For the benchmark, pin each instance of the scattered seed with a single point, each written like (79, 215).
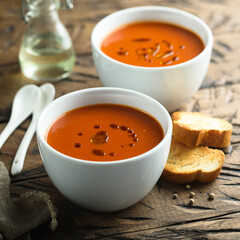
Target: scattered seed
(187, 187)
(191, 201)
(175, 195)
(211, 196)
(192, 195)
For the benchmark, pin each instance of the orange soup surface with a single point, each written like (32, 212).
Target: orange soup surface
(104, 132)
(152, 44)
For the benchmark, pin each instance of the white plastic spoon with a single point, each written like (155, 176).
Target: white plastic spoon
(48, 93)
(23, 104)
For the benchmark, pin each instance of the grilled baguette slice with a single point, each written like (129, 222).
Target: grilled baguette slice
(188, 164)
(194, 129)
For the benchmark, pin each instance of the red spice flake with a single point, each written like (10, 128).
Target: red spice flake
(115, 126)
(77, 145)
(97, 126)
(142, 40)
(130, 131)
(182, 47)
(80, 134)
(135, 139)
(168, 44)
(112, 154)
(131, 144)
(122, 53)
(153, 52)
(124, 128)
(133, 135)
(98, 152)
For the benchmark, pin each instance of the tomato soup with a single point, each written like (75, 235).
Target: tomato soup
(152, 44)
(104, 132)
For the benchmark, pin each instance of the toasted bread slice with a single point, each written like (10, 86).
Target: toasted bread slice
(194, 129)
(188, 164)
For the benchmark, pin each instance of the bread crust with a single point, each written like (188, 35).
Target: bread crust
(188, 164)
(195, 129)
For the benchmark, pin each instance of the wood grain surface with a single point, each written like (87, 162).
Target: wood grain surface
(157, 216)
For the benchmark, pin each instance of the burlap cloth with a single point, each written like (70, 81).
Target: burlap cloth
(18, 216)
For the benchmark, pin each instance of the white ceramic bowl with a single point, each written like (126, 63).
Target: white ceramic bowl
(171, 85)
(104, 186)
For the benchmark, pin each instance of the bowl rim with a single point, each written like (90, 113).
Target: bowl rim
(167, 135)
(131, 10)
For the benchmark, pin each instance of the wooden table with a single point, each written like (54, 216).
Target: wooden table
(157, 216)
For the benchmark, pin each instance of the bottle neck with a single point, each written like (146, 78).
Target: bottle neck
(43, 5)
(38, 8)
(32, 8)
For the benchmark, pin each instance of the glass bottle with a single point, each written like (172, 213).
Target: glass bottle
(46, 52)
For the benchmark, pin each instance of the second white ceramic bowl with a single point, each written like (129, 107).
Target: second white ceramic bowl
(171, 85)
(104, 186)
